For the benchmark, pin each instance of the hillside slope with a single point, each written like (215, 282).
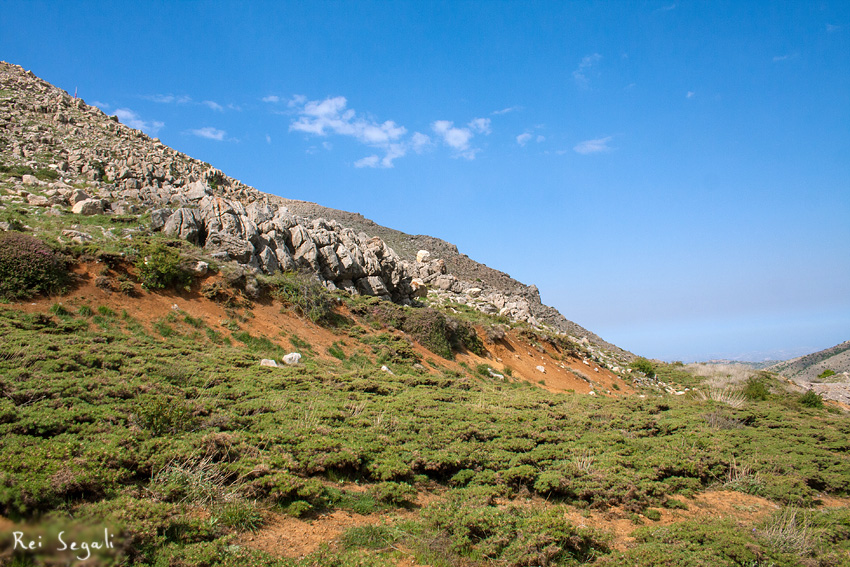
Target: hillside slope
(807, 368)
(125, 172)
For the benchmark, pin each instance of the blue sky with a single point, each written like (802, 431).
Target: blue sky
(674, 176)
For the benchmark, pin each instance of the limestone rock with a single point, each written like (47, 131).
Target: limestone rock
(423, 256)
(186, 224)
(292, 358)
(268, 362)
(88, 207)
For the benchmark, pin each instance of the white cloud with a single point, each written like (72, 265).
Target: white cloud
(169, 98)
(507, 110)
(213, 105)
(271, 98)
(331, 116)
(832, 28)
(523, 139)
(540, 138)
(210, 133)
(580, 74)
(596, 146)
(268, 139)
(480, 125)
(667, 8)
(328, 146)
(133, 120)
(370, 161)
(100, 105)
(690, 94)
(419, 142)
(456, 138)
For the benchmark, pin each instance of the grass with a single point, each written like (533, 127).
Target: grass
(183, 441)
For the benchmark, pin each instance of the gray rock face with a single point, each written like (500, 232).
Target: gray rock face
(186, 224)
(158, 218)
(233, 247)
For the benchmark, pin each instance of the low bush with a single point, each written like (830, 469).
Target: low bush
(303, 294)
(159, 267)
(811, 400)
(28, 267)
(643, 365)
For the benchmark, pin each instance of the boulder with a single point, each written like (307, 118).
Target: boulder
(372, 285)
(292, 358)
(423, 256)
(29, 180)
(38, 200)
(77, 195)
(222, 244)
(88, 207)
(158, 218)
(268, 362)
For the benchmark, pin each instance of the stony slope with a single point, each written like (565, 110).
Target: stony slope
(125, 172)
(809, 367)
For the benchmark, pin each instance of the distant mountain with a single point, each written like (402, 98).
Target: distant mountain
(808, 368)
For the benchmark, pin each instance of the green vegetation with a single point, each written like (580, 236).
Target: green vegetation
(28, 267)
(183, 441)
(159, 267)
(643, 365)
(826, 374)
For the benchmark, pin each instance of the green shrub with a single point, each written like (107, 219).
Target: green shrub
(643, 365)
(159, 268)
(163, 414)
(395, 493)
(756, 389)
(303, 294)
(811, 400)
(28, 266)
(826, 374)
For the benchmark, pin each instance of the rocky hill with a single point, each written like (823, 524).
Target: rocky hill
(834, 361)
(127, 172)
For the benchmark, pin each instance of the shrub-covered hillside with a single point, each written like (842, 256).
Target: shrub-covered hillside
(165, 428)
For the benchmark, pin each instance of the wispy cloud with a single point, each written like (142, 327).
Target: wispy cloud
(100, 105)
(667, 8)
(580, 74)
(133, 120)
(523, 139)
(480, 125)
(596, 146)
(332, 117)
(210, 133)
(268, 139)
(507, 110)
(458, 138)
(169, 98)
(690, 94)
(832, 28)
(271, 98)
(213, 105)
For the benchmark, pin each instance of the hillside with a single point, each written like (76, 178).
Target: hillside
(835, 361)
(129, 173)
(194, 373)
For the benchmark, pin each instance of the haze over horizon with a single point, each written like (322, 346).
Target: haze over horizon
(674, 177)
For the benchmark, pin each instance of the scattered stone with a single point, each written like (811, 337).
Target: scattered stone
(77, 237)
(29, 180)
(292, 358)
(268, 362)
(386, 369)
(541, 369)
(423, 256)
